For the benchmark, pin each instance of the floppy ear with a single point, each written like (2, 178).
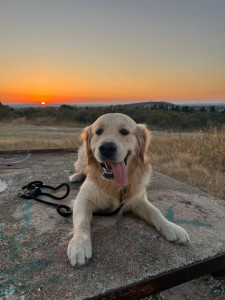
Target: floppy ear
(86, 138)
(143, 138)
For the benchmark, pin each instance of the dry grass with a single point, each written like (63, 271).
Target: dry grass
(28, 137)
(197, 159)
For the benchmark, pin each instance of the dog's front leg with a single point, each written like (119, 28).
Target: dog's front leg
(149, 213)
(80, 248)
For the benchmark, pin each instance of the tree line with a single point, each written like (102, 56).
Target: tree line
(157, 118)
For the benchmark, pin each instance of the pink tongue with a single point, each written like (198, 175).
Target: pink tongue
(120, 174)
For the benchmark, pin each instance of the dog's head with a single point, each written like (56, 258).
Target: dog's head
(115, 141)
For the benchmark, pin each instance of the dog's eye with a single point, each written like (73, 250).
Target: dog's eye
(99, 131)
(124, 132)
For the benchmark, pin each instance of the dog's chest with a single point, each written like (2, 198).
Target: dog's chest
(116, 198)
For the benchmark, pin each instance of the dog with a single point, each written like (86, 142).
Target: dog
(114, 158)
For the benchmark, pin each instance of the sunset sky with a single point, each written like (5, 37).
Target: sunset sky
(109, 51)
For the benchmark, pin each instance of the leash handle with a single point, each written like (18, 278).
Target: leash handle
(38, 184)
(34, 189)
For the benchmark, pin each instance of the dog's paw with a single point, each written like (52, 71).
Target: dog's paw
(79, 249)
(77, 177)
(175, 233)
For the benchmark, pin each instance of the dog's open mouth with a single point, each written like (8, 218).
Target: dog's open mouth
(116, 171)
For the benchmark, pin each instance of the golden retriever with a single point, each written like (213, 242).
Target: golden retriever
(114, 157)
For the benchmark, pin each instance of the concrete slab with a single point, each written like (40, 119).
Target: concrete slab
(17, 160)
(127, 253)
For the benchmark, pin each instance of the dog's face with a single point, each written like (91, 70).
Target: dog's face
(113, 140)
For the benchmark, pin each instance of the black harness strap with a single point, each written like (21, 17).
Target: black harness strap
(33, 190)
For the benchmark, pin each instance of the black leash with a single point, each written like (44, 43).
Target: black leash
(33, 190)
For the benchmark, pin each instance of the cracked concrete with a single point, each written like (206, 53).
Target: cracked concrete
(34, 237)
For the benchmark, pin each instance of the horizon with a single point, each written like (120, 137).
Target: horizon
(86, 104)
(116, 52)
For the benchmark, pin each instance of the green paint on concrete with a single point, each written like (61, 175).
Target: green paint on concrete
(170, 217)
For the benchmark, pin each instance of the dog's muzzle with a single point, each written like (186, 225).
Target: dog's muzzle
(108, 151)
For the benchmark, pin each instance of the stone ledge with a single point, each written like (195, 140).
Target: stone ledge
(126, 251)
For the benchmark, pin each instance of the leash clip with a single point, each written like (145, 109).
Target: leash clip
(19, 192)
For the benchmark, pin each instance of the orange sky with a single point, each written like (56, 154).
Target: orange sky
(119, 51)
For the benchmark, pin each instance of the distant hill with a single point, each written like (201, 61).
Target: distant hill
(195, 107)
(149, 103)
(165, 103)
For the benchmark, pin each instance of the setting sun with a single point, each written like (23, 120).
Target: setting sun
(43, 103)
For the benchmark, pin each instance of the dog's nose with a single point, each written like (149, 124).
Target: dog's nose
(107, 150)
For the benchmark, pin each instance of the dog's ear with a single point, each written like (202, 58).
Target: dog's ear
(86, 138)
(143, 139)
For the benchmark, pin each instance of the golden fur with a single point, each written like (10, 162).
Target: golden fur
(98, 193)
